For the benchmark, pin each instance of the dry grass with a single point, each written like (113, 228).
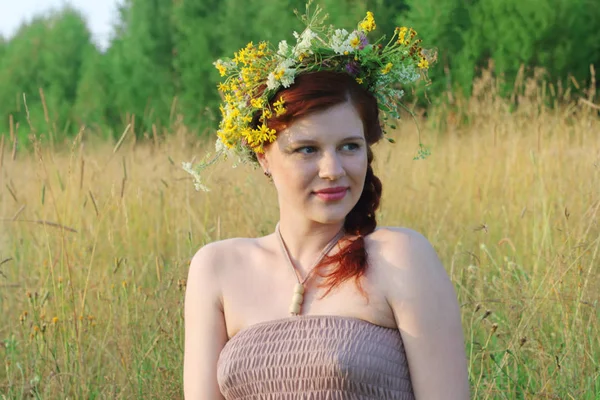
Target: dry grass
(96, 239)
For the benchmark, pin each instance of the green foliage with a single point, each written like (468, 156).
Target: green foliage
(562, 36)
(140, 63)
(44, 58)
(158, 66)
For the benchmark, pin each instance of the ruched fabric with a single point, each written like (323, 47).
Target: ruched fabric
(317, 357)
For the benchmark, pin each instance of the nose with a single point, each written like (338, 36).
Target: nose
(330, 166)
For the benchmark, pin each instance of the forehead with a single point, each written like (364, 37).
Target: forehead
(335, 123)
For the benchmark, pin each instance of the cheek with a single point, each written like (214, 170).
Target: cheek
(294, 177)
(359, 166)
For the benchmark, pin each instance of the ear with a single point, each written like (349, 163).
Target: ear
(263, 161)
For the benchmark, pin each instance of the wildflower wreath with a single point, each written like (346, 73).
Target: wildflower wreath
(258, 71)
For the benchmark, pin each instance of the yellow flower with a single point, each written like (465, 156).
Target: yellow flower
(256, 103)
(279, 111)
(55, 320)
(279, 74)
(359, 80)
(267, 135)
(222, 69)
(355, 42)
(423, 64)
(279, 107)
(368, 24)
(387, 68)
(279, 103)
(402, 35)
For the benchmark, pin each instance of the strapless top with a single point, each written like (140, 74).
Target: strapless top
(315, 357)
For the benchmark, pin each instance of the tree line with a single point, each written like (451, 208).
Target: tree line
(158, 65)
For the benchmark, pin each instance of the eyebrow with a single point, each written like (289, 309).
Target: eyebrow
(312, 141)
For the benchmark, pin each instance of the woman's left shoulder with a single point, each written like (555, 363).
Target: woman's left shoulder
(401, 242)
(407, 255)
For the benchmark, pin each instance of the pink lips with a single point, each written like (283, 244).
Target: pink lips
(332, 194)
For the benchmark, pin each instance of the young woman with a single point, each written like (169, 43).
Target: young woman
(328, 306)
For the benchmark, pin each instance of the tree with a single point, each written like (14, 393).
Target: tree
(141, 62)
(47, 55)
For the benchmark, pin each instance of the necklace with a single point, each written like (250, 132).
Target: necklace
(298, 295)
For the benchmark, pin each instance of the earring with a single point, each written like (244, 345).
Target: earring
(267, 174)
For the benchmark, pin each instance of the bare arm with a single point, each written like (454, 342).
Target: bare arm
(428, 316)
(205, 332)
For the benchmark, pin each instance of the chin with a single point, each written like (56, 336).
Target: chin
(330, 214)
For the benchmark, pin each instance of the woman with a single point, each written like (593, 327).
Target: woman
(327, 306)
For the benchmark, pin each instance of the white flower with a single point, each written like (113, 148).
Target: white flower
(283, 75)
(284, 49)
(354, 40)
(287, 80)
(272, 83)
(339, 41)
(304, 42)
(407, 73)
(198, 185)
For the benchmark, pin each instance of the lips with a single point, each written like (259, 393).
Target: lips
(338, 189)
(332, 194)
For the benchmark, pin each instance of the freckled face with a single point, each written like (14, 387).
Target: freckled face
(319, 164)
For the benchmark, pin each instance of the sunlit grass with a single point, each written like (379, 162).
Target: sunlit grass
(96, 239)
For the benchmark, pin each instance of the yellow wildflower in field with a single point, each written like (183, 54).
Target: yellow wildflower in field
(368, 24)
(387, 68)
(256, 103)
(402, 35)
(279, 107)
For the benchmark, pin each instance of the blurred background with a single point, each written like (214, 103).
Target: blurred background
(99, 63)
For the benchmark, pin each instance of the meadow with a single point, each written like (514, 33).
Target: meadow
(96, 239)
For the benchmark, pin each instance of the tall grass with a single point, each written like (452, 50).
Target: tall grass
(96, 238)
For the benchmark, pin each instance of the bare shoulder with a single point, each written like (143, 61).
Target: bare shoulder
(205, 324)
(216, 256)
(426, 310)
(406, 249)
(414, 274)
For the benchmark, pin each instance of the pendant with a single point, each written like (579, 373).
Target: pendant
(297, 299)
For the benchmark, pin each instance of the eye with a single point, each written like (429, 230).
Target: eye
(351, 146)
(306, 150)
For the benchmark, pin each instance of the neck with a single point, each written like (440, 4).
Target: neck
(306, 242)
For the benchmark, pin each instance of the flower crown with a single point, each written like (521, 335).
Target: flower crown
(257, 72)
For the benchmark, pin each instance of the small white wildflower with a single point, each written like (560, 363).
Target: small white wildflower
(284, 49)
(283, 75)
(304, 42)
(272, 82)
(354, 40)
(406, 73)
(198, 185)
(339, 42)
(287, 81)
(220, 146)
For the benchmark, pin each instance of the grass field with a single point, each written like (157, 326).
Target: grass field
(96, 238)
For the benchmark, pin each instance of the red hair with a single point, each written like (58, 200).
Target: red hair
(318, 91)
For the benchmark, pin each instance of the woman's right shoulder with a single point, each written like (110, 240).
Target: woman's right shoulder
(217, 255)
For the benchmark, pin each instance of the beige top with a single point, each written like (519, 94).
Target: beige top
(315, 357)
